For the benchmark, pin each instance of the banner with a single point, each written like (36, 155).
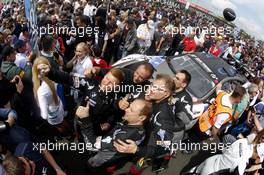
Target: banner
(31, 15)
(27, 9)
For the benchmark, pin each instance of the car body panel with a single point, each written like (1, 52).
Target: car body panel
(206, 71)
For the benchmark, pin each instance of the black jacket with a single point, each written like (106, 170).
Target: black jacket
(128, 86)
(163, 124)
(101, 103)
(108, 153)
(7, 91)
(183, 106)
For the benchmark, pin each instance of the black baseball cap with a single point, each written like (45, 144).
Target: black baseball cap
(19, 44)
(130, 21)
(7, 50)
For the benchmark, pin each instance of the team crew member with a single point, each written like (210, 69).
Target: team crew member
(135, 82)
(137, 78)
(100, 94)
(181, 98)
(163, 124)
(135, 116)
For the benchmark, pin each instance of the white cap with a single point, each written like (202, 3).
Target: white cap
(260, 151)
(151, 24)
(67, 1)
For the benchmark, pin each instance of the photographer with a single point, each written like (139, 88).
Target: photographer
(257, 114)
(235, 157)
(11, 134)
(10, 96)
(10, 71)
(244, 129)
(9, 68)
(26, 160)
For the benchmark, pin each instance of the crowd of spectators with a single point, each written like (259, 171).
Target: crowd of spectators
(62, 89)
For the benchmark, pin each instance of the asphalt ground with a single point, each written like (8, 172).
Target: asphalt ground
(75, 163)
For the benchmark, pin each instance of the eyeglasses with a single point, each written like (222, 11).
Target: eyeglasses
(157, 88)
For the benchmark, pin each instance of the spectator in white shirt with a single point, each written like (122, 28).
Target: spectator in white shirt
(45, 91)
(82, 60)
(21, 57)
(236, 156)
(145, 35)
(89, 10)
(24, 35)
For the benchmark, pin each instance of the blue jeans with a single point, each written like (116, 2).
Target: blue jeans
(241, 129)
(4, 112)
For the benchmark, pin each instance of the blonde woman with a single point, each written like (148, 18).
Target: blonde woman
(81, 60)
(45, 92)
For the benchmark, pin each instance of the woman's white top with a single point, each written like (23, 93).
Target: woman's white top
(80, 65)
(54, 114)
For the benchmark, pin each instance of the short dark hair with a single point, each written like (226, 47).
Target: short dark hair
(148, 67)
(84, 19)
(188, 76)
(24, 29)
(169, 83)
(97, 52)
(46, 43)
(239, 91)
(7, 51)
(19, 44)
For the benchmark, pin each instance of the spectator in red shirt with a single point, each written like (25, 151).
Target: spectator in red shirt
(59, 43)
(215, 49)
(97, 61)
(189, 44)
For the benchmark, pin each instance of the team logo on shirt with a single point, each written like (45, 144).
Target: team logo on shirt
(108, 139)
(118, 131)
(93, 94)
(154, 118)
(162, 133)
